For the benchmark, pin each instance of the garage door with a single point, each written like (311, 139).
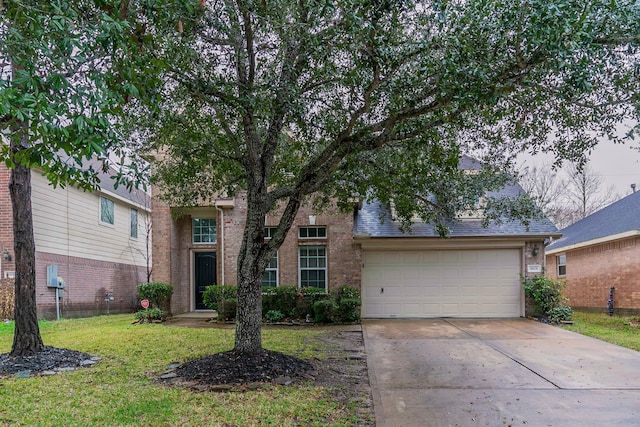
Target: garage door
(451, 283)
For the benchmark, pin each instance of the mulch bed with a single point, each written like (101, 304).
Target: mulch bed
(47, 362)
(229, 370)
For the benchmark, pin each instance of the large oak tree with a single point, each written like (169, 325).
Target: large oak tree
(289, 101)
(61, 92)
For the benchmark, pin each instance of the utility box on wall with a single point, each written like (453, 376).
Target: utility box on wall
(53, 280)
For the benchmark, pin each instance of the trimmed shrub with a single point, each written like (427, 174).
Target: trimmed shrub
(227, 309)
(349, 309)
(158, 294)
(307, 297)
(325, 311)
(548, 298)
(150, 314)
(342, 304)
(214, 294)
(282, 298)
(274, 316)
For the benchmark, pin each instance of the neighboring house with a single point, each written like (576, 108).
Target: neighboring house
(475, 272)
(598, 253)
(96, 241)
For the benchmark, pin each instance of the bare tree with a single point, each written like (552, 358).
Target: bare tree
(544, 185)
(584, 193)
(568, 195)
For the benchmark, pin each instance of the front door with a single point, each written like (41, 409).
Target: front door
(205, 275)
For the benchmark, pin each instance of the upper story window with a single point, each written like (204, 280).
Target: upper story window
(134, 223)
(269, 232)
(204, 230)
(107, 211)
(312, 232)
(561, 262)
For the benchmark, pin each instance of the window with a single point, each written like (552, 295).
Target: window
(204, 230)
(312, 232)
(561, 261)
(269, 232)
(134, 223)
(313, 266)
(106, 210)
(270, 276)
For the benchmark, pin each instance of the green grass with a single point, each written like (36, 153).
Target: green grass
(119, 390)
(617, 330)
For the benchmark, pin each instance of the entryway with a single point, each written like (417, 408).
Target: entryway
(204, 275)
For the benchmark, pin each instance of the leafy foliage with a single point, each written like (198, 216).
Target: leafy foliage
(547, 295)
(158, 294)
(367, 99)
(150, 314)
(340, 304)
(214, 294)
(62, 85)
(274, 316)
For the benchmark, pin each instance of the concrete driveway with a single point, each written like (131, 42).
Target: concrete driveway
(497, 372)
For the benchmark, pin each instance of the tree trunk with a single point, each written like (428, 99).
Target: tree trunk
(26, 338)
(250, 259)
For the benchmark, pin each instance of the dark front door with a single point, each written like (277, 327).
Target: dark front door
(205, 275)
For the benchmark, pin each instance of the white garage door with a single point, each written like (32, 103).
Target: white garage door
(450, 283)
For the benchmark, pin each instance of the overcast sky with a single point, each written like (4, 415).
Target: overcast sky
(619, 165)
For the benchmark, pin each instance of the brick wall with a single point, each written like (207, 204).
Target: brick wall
(87, 284)
(593, 270)
(173, 248)
(6, 217)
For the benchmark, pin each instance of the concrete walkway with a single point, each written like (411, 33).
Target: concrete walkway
(498, 372)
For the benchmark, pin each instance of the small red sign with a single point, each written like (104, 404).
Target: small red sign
(144, 303)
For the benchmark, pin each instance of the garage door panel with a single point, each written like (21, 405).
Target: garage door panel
(456, 283)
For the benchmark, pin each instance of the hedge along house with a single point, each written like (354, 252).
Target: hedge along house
(598, 253)
(475, 272)
(96, 242)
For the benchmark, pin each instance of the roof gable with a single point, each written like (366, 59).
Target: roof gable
(619, 217)
(376, 220)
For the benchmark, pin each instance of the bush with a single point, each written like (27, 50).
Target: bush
(548, 298)
(325, 311)
(349, 309)
(150, 314)
(214, 294)
(306, 299)
(560, 313)
(227, 308)
(158, 294)
(274, 315)
(342, 304)
(282, 298)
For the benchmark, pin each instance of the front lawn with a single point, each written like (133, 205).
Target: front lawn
(119, 390)
(620, 330)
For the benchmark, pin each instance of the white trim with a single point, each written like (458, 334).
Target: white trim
(404, 244)
(112, 195)
(624, 235)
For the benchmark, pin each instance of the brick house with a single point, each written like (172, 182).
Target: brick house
(95, 240)
(475, 272)
(598, 253)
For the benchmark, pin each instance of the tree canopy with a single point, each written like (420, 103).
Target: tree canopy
(336, 100)
(61, 93)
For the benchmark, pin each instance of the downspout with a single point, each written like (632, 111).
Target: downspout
(221, 243)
